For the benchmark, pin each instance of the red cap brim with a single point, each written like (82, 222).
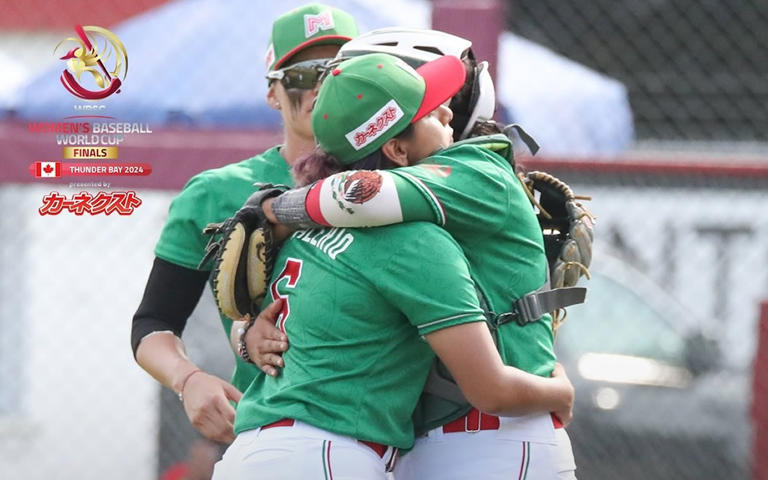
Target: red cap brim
(444, 77)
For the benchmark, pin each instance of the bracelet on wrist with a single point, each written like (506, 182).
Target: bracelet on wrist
(242, 349)
(184, 383)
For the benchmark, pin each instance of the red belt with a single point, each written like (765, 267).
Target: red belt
(379, 448)
(475, 421)
(556, 421)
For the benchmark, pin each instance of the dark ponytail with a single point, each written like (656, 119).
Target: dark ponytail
(319, 164)
(314, 166)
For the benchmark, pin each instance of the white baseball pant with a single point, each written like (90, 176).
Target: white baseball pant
(300, 452)
(528, 448)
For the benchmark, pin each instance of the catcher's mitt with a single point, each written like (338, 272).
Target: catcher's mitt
(567, 227)
(244, 255)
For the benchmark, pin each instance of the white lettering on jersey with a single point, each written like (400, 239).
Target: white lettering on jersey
(331, 242)
(339, 245)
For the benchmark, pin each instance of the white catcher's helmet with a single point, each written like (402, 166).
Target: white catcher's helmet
(476, 102)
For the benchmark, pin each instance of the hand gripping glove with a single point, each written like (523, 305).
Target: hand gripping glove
(243, 252)
(567, 227)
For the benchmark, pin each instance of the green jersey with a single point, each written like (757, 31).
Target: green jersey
(355, 305)
(474, 194)
(212, 196)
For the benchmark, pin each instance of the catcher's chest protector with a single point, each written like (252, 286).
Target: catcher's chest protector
(442, 400)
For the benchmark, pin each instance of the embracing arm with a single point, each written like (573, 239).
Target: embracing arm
(438, 296)
(492, 387)
(171, 294)
(355, 198)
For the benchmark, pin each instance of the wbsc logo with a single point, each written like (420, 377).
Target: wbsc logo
(98, 54)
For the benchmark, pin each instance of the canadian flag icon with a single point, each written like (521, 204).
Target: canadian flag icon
(46, 169)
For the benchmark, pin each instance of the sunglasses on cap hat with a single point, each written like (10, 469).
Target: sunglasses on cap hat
(303, 75)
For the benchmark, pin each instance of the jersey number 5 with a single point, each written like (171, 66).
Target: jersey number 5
(292, 272)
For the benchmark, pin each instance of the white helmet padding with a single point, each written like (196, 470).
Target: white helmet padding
(414, 46)
(418, 46)
(483, 100)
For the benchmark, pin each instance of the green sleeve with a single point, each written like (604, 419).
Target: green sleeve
(428, 279)
(464, 187)
(181, 241)
(458, 187)
(416, 201)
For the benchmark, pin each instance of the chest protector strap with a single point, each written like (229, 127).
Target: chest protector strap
(530, 308)
(442, 400)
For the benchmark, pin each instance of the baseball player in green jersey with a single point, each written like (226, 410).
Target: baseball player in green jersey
(471, 190)
(302, 40)
(354, 308)
(473, 108)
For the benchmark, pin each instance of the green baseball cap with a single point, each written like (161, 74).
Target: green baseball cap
(312, 24)
(369, 99)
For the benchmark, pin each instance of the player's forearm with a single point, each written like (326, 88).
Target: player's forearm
(290, 209)
(163, 356)
(520, 393)
(351, 199)
(492, 387)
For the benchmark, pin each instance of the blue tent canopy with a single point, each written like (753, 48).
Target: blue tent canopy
(200, 63)
(190, 62)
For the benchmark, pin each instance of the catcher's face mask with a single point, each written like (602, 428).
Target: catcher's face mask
(302, 75)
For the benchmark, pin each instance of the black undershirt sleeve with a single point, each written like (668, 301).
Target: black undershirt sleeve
(171, 294)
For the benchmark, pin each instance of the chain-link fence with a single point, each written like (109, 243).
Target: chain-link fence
(695, 70)
(661, 355)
